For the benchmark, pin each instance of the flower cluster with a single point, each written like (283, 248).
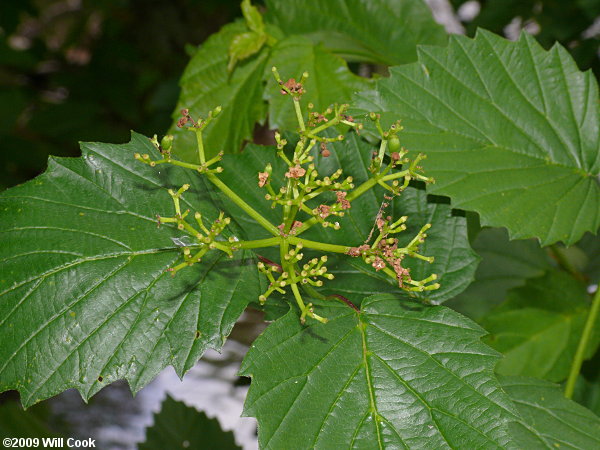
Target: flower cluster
(305, 199)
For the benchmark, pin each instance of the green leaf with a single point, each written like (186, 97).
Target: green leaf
(510, 131)
(396, 375)
(375, 31)
(244, 45)
(538, 327)
(17, 423)
(330, 81)
(180, 426)
(455, 262)
(253, 18)
(504, 265)
(549, 420)
(590, 245)
(206, 84)
(84, 297)
(587, 393)
(447, 241)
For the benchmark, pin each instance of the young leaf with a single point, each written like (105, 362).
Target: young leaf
(206, 84)
(549, 420)
(244, 45)
(395, 375)
(253, 18)
(180, 426)
(330, 81)
(510, 130)
(504, 265)
(376, 31)
(539, 326)
(84, 296)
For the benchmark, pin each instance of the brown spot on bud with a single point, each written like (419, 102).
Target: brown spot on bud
(293, 86)
(378, 264)
(295, 172)
(353, 251)
(263, 177)
(324, 211)
(297, 224)
(341, 199)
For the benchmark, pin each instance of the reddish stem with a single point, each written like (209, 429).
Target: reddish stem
(270, 263)
(346, 301)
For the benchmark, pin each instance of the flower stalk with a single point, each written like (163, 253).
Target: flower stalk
(303, 187)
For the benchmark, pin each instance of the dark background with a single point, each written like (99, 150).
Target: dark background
(91, 70)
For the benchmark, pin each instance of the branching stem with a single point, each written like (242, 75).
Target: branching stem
(242, 204)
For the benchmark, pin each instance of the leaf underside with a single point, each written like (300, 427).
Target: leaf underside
(395, 375)
(511, 131)
(84, 297)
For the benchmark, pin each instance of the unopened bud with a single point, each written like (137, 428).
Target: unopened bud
(167, 142)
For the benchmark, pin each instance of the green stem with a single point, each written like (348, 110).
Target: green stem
(298, 297)
(351, 196)
(178, 163)
(200, 146)
(583, 342)
(313, 133)
(242, 204)
(299, 114)
(362, 188)
(258, 243)
(318, 245)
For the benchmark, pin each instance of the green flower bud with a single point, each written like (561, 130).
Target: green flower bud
(167, 142)
(394, 143)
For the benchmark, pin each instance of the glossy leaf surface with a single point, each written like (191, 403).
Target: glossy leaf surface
(84, 297)
(395, 375)
(511, 131)
(379, 31)
(447, 241)
(549, 420)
